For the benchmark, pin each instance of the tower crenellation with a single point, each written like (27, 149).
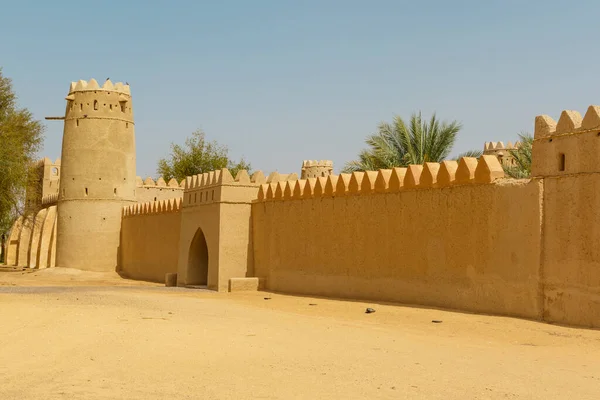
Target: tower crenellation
(316, 169)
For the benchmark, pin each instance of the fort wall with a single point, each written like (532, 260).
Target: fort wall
(148, 190)
(150, 240)
(462, 241)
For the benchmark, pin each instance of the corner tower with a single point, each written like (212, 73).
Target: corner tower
(97, 174)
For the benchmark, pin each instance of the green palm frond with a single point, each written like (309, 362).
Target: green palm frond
(400, 143)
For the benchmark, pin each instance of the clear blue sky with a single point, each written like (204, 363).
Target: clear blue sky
(279, 81)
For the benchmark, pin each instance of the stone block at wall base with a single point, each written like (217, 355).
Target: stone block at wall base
(171, 279)
(243, 284)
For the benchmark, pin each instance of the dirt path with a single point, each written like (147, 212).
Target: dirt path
(66, 334)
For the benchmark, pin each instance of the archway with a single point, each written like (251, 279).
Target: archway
(197, 273)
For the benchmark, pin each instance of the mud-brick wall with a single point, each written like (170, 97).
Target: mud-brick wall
(150, 244)
(571, 255)
(474, 247)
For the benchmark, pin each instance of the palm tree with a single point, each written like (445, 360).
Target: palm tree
(400, 144)
(522, 156)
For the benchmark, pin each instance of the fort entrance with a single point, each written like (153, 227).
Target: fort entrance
(197, 273)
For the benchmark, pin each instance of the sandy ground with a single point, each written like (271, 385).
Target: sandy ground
(65, 334)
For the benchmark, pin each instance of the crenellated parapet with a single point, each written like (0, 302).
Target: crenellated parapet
(220, 186)
(89, 100)
(467, 171)
(315, 169)
(503, 152)
(153, 207)
(160, 182)
(569, 146)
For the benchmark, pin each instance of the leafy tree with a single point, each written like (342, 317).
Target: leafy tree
(522, 156)
(198, 156)
(400, 144)
(20, 139)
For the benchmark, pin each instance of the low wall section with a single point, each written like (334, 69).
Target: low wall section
(443, 235)
(150, 240)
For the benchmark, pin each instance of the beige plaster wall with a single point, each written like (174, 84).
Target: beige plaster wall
(150, 245)
(32, 254)
(97, 174)
(571, 253)
(12, 244)
(47, 244)
(471, 247)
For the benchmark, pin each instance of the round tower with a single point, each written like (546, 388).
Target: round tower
(316, 169)
(97, 175)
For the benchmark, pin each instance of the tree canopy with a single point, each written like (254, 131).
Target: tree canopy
(522, 156)
(400, 144)
(21, 137)
(198, 156)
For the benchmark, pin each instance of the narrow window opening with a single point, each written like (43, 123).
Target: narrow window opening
(126, 124)
(561, 162)
(190, 198)
(213, 195)
(81, 106)
(86, 191)
(77, 121)
(123, 105)
(111, 107)
(95, 104)
(155, 199)
(196, 197)
(115, 191)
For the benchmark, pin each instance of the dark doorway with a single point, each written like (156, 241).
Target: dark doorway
(198, 260)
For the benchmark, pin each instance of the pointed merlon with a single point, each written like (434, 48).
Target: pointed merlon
(217, 177)
(182, 183)
(258, 177)
(331, 185)
(397, 179)
(225, 176)
(262, 192)
(72, 87)
(108, 85)
(205, 179)
(447, 173)
(342, 184)
(149, 182)
(413, 176)
(591, 120)
(211, 178)
(320, 186)
(299, 189)
(465, 173)
(188, 182)
(271, 190)
(288, 192)
(279, 189)
(569, 122)
(309, 188)
(242, 176)
(488, 169)
(382, 182)
(544, 126)
(161, 182)
(292, 177)
(173, 183)
(92, 85)
(429, 176)
(356, 182)
(368, 183)
(138, 181)
(499, 146)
